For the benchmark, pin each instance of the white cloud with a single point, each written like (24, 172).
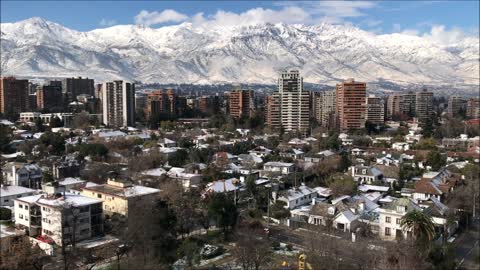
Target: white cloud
(440, 35)
(107, 22)
(151, 18)
(289, 15)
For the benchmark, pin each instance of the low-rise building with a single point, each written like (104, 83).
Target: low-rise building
(366, 174)
(121, 197)
(22, 174)
(295, 197)
(9, 193)
(283, 168)
(59, 215)
(390, 218)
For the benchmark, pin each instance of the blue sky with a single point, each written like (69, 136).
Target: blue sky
(380, 17)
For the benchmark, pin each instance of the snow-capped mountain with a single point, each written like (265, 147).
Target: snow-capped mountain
(186, 53)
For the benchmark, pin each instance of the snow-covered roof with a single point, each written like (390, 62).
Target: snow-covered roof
(71, 181)
(14, 155)
(293, 194)
(155, 172)
(109, 134)
(339, 199)
(7, 191)
(324, 192)
(224, 185)
(68, 199)
(5, 122)
(130, 191)
(278, 164)
(365, 188)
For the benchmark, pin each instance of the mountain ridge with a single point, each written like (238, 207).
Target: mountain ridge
(184, 53)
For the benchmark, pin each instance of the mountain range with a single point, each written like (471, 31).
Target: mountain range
(184, 53)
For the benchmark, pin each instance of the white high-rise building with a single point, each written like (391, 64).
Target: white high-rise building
(323, 106)
(118, 99)
(293, 103)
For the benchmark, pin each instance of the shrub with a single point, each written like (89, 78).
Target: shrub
(5, 213)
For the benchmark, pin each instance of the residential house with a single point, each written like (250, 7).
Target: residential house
(187, 180)
(366, 174)
(22, 174)
(295, 197)
(9, 193)
(293, 154)
(282, 168)
(224, 186)
(435, 184)
(260, 151)
(390, 218)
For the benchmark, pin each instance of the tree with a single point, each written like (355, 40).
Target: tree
(252, 250)
(436, 160)
(81, 120)
(420, 224)
(5, 138)
(178, 159)
(19, 254)
(47, 177)
(251, 186)
(341, 184)
(223, 211)
(345, 162)
(56, 122)
(95, 150)
(190, 251)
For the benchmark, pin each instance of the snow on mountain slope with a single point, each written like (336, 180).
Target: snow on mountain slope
(184, 53)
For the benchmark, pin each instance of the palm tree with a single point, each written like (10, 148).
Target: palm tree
(420, 224)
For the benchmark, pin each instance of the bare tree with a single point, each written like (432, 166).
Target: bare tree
(252, 250)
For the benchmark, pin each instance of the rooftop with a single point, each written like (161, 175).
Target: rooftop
(7, 191)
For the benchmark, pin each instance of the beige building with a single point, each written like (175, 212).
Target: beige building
(118, 100)
(121, 197)
(323, 106)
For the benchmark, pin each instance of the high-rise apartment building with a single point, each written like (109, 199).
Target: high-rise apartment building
(288, 107)
(323, 107)
(72, 87)
(118, 101)
(375, 110)
(401, 105)
(13, 95)
(473, 108)
(241, 103)
(351, 104)
(423, 105)
(161, 102)
(455, 105)
(50, 96)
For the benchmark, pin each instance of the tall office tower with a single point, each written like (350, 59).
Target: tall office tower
(289, 105)
(13, 95)
(98, 91)
(50, 96)
(423, 105)
(375, 110)
(181, 106)
(72, 87)
(118, 100)
(455, 105)
(241, 103)
(140, 102)
(473, 108)
(171, 102)
(351, 104)
(323, 106)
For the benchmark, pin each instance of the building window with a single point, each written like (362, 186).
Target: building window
(26, 207)
(20, 206)
(398, 221)
(20, 216)
(387, 219)
(99, 195)
(387, 231)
